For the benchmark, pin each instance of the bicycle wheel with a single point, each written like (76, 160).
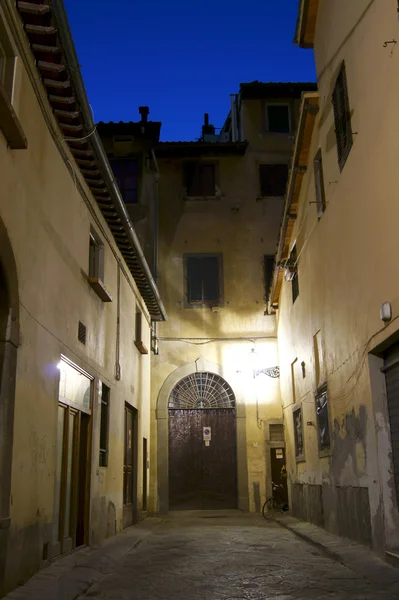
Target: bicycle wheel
(270, 507)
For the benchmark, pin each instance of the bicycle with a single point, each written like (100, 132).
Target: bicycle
(274, 504)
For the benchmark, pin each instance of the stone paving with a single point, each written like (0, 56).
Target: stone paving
(214, 556)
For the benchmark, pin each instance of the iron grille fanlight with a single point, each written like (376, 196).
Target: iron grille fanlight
(200, 391)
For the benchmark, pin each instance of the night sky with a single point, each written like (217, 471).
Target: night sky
(182, 58)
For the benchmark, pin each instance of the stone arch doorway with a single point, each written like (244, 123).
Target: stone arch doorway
(9, 340)
(202, 443)
(189, 395)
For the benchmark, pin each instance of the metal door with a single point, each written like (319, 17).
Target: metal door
(202, 472)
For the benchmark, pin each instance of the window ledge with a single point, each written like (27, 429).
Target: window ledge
(9, 123)
(100, 289)
(202, 198)
(140, 347)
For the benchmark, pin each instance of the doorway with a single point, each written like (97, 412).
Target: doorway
(279, 474)
(202, 444)
(391, 370)
(130, 467)
(71, 490)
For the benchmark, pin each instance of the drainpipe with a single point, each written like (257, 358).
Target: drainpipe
(156, 215)
(233, 118)
(74, 67)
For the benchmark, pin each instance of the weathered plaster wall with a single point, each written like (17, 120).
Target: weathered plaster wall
(345, 272)
(48, 225)
(243, 228)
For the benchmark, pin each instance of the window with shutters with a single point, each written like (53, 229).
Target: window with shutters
(273, 179)
(342, 117)
(319, 184)
(126, 171)
(200, 179)
(203, 280)
(278, 118)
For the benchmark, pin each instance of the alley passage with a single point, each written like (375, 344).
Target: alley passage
(199, 556)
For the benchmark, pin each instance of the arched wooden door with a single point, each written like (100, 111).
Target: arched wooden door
(202, 444)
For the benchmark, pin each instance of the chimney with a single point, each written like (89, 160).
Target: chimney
(206, 119)
(144, 112)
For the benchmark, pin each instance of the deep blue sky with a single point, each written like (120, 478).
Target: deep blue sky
(182, 58)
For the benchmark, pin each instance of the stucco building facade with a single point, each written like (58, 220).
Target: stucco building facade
(220, 206)
(334, 288)
(77, 302)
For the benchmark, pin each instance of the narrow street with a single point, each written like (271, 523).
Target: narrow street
(212, 557)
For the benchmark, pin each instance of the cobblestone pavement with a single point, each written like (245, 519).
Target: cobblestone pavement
(228, 557)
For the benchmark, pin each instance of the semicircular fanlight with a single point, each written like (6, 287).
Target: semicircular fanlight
(201, 390)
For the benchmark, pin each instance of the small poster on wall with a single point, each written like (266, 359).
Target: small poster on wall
(298, 432)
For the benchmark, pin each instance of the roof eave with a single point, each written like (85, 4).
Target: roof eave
(309, 110)
(306, 23)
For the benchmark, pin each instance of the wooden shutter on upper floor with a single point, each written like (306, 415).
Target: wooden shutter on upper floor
(194, 279)
(273, 179)
(342, 117)
(210, 279)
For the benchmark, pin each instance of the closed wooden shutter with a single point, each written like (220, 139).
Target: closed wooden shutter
(210, 276)
(319, 184)
(391, 367)
(194, 279)
(203, 280)
(199, 179)
(273, 179)
(342, 117)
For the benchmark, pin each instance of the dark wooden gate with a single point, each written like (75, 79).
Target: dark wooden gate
(202, 475)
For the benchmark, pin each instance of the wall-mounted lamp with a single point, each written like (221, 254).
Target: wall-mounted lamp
(386, 312)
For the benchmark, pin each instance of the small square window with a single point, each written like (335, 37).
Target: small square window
(203, 280)
(200, 179)
(273, 179)
(278, 118)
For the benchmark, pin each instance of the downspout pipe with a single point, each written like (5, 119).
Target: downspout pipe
(233, 118)
(72, 59)
(156, 215)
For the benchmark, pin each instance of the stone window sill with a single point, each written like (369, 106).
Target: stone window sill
(100, 289)
(9, 123)
(140, 347)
